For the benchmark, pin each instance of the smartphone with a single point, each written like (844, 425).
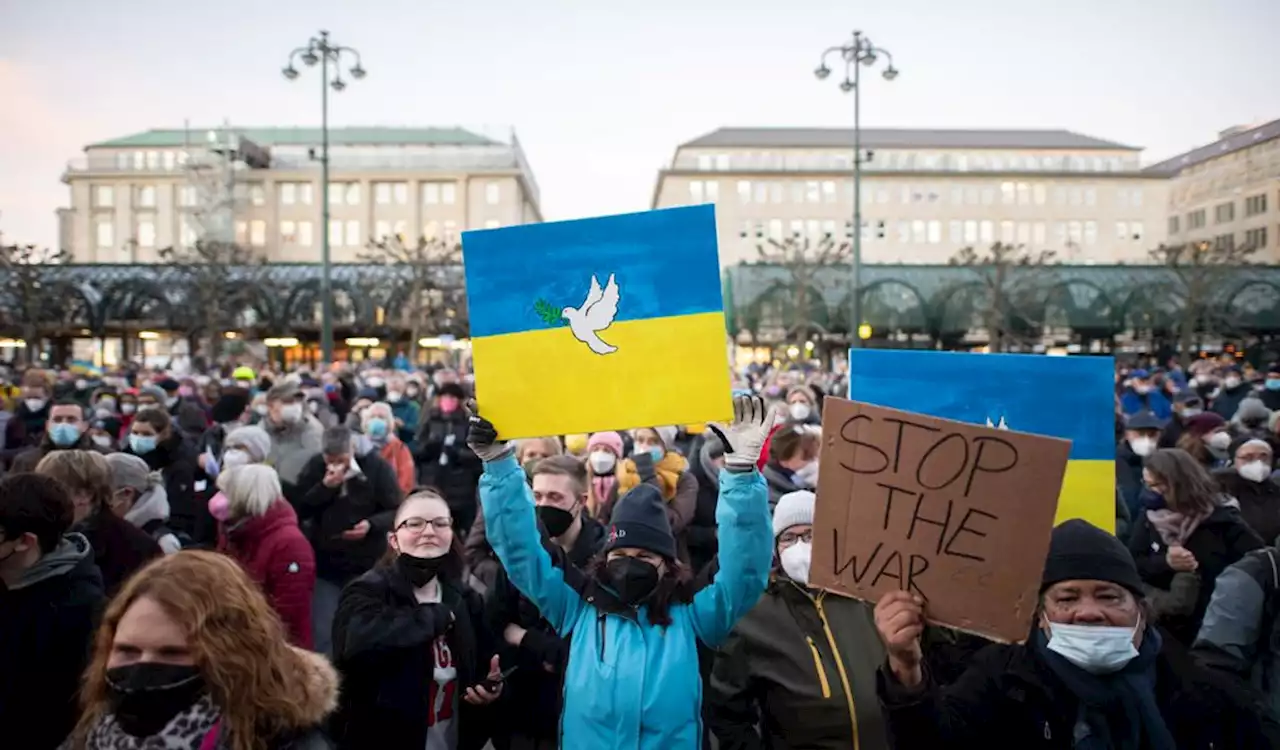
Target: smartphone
(492, 685)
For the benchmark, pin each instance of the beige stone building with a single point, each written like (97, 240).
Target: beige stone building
(925, 193)
(132, 196)
(1228, 192)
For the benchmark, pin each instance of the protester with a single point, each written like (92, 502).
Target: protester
(138, 496)
(295, 435)
(654, 461)
(793, 462)
(65, 429)
(604, 451)
(531, 715)
(1206, 438)
(443, 458)
(632, 676)
(1189, 525)
(1141, 432)
(800, 666)
(119, 548)
(377, 423)
(153, 439)
(26, 428)
(1186, 405)
(191, 657)
(406, 412)
(261, 532)
(348, 498)
(411, 643)
(1142, 395)
(242, 446)
(50, 596)
(1235, 389)
(1249, 481)
(802, 406)
(1095, 672)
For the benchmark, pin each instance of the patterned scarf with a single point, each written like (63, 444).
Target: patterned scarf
(186, 731)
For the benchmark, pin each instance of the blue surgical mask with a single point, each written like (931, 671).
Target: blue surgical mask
(64, 435)
(1273, 384)
(142, 444)
(656, 453)
(376, 427)
(1097, 649)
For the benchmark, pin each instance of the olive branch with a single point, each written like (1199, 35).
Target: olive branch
(549, 313)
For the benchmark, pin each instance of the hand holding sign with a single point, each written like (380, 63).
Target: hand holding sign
(955, 514)
(900, 622)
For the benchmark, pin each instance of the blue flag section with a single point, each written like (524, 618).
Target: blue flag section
(1063, 397)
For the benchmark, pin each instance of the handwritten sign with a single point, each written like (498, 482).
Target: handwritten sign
(957, 513)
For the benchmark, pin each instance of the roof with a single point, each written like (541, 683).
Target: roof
(1220, 147)
(900, 138)
(273, 136)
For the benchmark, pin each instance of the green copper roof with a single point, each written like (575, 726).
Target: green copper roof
(353, 136)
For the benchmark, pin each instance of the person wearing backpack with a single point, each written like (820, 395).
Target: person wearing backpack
(138, 496)
(1240, 630)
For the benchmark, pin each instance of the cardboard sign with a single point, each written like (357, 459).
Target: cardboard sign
(598, 324)
(1063, 397)
(958, 513)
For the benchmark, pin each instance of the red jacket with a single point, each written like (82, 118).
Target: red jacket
(273, 550)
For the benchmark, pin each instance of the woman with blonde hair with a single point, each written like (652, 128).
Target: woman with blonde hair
(191, 657)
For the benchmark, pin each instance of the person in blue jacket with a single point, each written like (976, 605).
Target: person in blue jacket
(632, 677)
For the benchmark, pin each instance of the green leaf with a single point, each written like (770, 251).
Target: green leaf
(548, 312)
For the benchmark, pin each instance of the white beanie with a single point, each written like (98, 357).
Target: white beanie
(793, 509)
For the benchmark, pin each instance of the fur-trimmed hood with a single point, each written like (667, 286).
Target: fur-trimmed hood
(317, 689)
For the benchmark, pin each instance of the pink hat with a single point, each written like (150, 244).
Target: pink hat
(610, 440)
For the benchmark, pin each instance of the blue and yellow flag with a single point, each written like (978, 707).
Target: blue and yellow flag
(598, 324)
(1063, 397)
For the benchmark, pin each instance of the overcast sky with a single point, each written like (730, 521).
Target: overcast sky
(600, 93)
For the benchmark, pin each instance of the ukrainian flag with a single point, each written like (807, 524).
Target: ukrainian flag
(1063, 397)
(597, 324)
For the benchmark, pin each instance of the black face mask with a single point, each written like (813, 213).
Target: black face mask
(144, 697)
(419, 570)
(633, 579)
(556, 520)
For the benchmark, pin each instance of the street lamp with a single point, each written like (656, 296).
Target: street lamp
(320, 50)
(858, 51)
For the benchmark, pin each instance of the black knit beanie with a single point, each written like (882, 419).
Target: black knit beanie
(640, 520)
(1080, 551)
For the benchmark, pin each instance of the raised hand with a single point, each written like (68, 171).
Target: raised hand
(743, 440)
(482, 436)
(899, 619)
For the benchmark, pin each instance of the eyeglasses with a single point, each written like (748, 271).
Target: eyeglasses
(419, 525)
(789, 538)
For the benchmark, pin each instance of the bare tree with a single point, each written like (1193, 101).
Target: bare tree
(30, 298)
(1198, 273)
(428, 274)
(219, 279)
(808, 264)
(1011, 280)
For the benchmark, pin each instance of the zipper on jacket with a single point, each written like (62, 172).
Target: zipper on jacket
(603, 629)
(817, 665)
(840, 670)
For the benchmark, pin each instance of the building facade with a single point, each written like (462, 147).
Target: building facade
(131, 197)
(1228, 192)
(925, 194)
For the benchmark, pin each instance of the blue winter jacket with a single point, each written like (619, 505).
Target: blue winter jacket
(628, 683)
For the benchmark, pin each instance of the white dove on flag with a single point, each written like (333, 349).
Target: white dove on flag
(596, 314)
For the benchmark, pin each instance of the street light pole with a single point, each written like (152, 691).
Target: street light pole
(858, 51)
(320, 49)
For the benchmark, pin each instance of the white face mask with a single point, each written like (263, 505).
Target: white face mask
(394, 397)
(807, 475)
(602, 462)
(1230, 382)
(1097, 649)
(235, 457)
(102, 441)
(35, 404)
(291, 413)
(800, 411)
(1143, 388)
(1142, 446)
(1254, 471)
(795, 561)
(128, 408)
(1219, 441)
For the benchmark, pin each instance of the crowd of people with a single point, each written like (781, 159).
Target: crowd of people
(355, 557)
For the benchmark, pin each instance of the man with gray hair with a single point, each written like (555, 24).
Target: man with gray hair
(295, 435)
(347, 503)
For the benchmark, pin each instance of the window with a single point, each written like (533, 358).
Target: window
(1173, 224)
(304, 233)
(146, 233)
(104, 196)
(1075, 232)
(1007, 232)
(1224, 242)
(1224, 212)
(1090, 197)
(957, 196)
(988, 196)
(335, 232)
(813, 191)
(1038, 234)
(1122, 230)
(971, 231)
(935, 231)
(775, 230)
(288, 193)
(1075, 196)
(776, 192)
(492, 224)
(304, 193)
(1195, 219)
(492, 193)
(105, 234)
(904, 231)
(695, 191)
(987, 231)
(431, 229)
(1059, 196)
(797, 228)
(797, 192)
(400, 192)
(1256, 237)
(337, 195)
(744, 191)
(153, 160)
(289, 232)
(1038, 194)
(381, 230)
(449, 193)
(257, 233)
(1135, 198)
(382, 193)
(1024, 233)
(353, 233)
(1091, 233)
(1024, 194)
(704, 162)
(1255, 204)
(186, 232)
(713, 191)
(1136, 230)
(146, 196)
(187, 195)
(1007, 193)
(829, 229)
(919, 232)
(257, 196)
(722, 162)
(971, 196)
(434, 193)
(122, 160)
(400, 228)
(829, 191)
(814, 229)
(955, 231)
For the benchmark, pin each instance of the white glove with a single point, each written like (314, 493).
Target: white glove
(743, 440)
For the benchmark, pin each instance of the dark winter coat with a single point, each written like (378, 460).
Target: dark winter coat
(1129, 477)
(326, 512)
(447, 464)
(273, 550)
(119, 547)
(1227, 402)
(382, 643)
(701, 531)
(47, 623)
(175, 459)
(780, 480)
(1219, 541)
(27, 460)
(1259, 501)
(1009, 698)
(25, 429)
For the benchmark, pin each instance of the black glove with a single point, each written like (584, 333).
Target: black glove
(482, 436)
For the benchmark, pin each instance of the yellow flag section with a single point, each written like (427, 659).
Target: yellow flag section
(1062, 397)
(598, 324)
